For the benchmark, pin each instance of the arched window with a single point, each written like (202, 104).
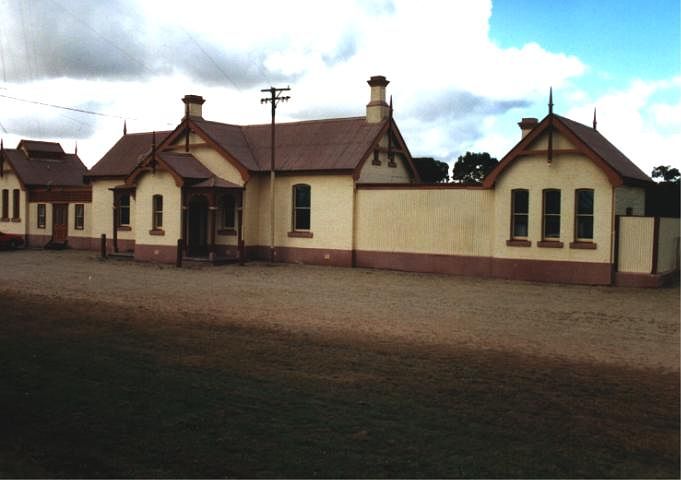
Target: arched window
(301, 207)
(228, 212)
(157, 212)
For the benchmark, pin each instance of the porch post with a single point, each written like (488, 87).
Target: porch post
(183, 222)
(240, 230)
(115, 221)
(211, 224)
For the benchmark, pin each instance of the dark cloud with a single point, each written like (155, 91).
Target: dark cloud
(111, 40)
(454, 105)
(56, 126)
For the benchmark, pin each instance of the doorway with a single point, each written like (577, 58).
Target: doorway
(60, 224)
(197, 226)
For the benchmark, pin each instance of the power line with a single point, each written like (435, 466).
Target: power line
(215, 64)
(71, 109)
(96, 33)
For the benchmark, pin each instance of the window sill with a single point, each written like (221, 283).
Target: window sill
(518, 243)
(227, 232)
(124, 228)
(583, 245)
(41, 227)
(16, 220)
(550, 244)
(157, 231)
(79, 228)
(299, 234)
(392, 164)
(4, 219)
(376, 162)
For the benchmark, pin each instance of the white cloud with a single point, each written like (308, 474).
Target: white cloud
(645, 130)
(438, 56)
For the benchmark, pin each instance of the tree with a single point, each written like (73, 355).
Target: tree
(473, 167)
(431, 170)
(667, 173)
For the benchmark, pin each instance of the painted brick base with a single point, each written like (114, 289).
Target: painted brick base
(156, 253)
(511, 269)
(645, 280)
(37, 241)
(311, 256)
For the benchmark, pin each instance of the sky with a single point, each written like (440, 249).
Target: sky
(462, 72)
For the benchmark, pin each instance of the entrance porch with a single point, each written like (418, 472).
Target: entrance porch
(212, 222)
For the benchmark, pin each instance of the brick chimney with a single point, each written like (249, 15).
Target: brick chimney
(526, 125)
(193, 105)
(377, 108)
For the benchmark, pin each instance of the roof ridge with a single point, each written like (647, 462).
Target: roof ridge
(303, 122)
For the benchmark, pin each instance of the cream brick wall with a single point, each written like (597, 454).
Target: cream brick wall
(630, 197)
(636, 244)
(436, 221)
(331, 212)
(254, 198)
(33, 219)
(148, 185)
(668, 245)
(566, 173)
(86, 232)
(102, 210)
(10, 182)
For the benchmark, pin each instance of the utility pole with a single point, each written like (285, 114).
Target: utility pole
(274, 98)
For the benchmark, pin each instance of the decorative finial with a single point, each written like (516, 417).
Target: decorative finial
(125, 127)
(551, 101)
(2, 144)
(75, 149)
(595, 118)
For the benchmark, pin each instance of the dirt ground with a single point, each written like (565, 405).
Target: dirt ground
(115, 369)
(636, 328)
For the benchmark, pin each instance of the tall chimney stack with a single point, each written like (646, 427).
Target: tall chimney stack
(193, 106)
(377, 108)
(527, 124)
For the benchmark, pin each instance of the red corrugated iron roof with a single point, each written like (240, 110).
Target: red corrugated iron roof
(185, 165)
(217, 182)
(333, 144)
(47, 167)
(606, 150)
(124, 156)
(618, 168)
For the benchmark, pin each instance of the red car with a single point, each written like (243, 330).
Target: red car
(10, 240)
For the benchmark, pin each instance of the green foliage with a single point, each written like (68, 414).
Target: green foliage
(473, 167)
(666, 173)
(431, 170)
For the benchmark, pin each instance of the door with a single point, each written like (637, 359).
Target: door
(197, 226)
(60, 223)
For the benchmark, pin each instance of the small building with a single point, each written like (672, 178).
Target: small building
(43, 196)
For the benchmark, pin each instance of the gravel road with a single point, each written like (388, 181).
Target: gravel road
(633, 327)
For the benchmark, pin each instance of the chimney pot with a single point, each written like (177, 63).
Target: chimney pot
(527, 124)
(193, 105)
